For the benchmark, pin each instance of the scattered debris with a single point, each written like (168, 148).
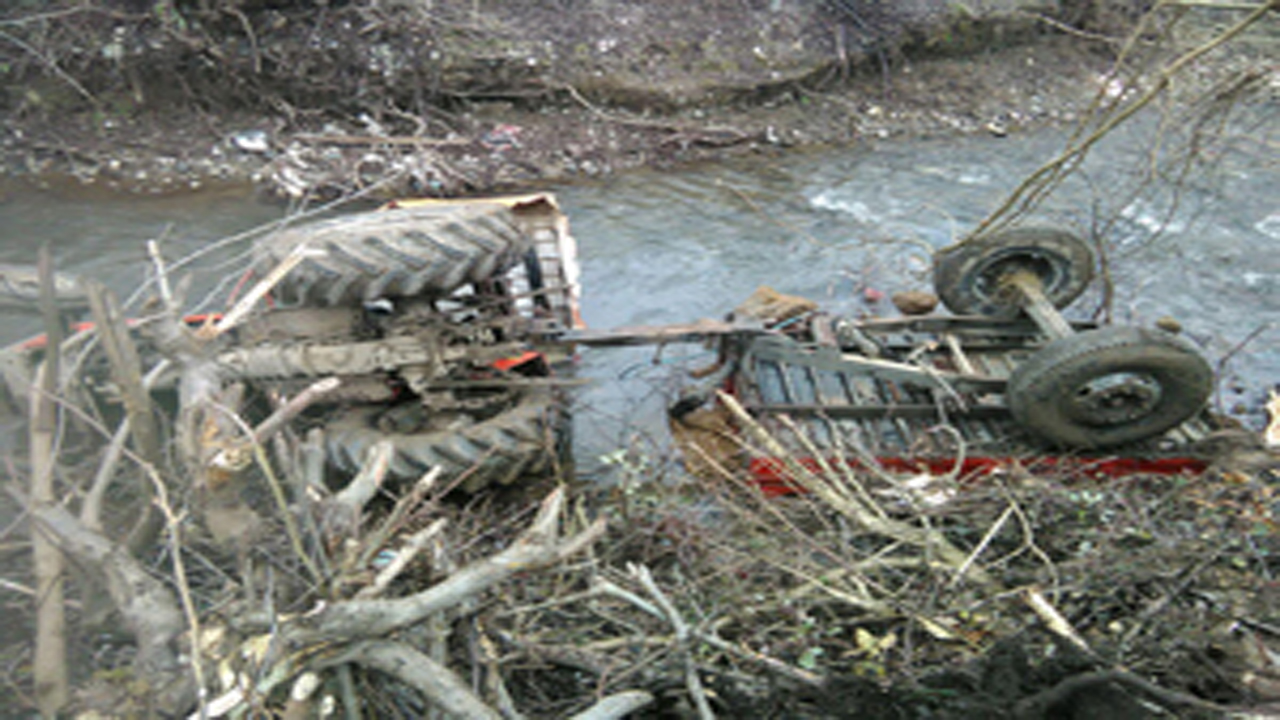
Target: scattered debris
(20, 290)
(252, 141)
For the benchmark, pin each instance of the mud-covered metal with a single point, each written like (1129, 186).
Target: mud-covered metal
(442, 321)
(454, 304)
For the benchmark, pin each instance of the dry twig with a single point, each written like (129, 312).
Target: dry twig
(1038, 184)
(50, 669)
(851, 504)
(669, 612)
(617, 705)
(435, 681)
(539, 546)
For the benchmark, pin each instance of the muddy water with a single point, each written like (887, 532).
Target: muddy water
(840, 227)
(104, 236)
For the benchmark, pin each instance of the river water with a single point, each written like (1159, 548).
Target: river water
(673, 246)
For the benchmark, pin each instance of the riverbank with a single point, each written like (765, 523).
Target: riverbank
(516, 97)
(451, 98)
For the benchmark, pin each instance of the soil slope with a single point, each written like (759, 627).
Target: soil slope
(452, 97)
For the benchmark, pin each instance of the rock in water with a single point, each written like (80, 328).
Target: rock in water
(915, 302)
(1169, 324)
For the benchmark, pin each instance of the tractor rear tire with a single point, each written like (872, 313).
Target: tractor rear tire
(396, 253)
(520, 440)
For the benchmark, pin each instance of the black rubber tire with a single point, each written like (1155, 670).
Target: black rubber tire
(967, 275)
(516, 442)
(1110, 386)
(403, 252)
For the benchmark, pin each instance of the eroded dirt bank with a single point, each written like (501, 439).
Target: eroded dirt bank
(452, 97)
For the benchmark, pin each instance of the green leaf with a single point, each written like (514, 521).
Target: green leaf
(809, 658)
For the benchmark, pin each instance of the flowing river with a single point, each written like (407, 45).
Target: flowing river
(839, 226)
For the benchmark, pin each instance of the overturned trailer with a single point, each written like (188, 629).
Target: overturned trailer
(1006, 379)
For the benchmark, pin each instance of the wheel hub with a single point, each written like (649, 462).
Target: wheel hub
(1116, 398)
(992, 280)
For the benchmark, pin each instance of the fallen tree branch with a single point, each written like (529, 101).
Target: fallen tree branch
(601, 586)
(617, 705)
(1037, 185)
(147, 605)
(674, 127)
(126, 370)
(237, 455)
(413, 668)
(769, 663)
(410, 140)
(91, 508)
(696, 692)
(1056, 623)
(200, 386)
(50, 663)
(410, 550)
(406, 504)
(340, 514)
(538, 547)
(854, 506)
(53, 66)
(222, 491)
(1036, 705)
(275, 422)
(237, 314)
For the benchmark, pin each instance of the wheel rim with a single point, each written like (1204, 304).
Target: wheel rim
(990, 282)
(1116, 398)
(971, 277)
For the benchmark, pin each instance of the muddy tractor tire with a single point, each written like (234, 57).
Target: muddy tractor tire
(1109, 387)
(406, 252)
(969, 276)
(520, 440)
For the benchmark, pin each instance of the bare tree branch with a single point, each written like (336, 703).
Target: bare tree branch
(538, 547)
(148, 607)
(617, 705)
(50, 665)
(434, 680)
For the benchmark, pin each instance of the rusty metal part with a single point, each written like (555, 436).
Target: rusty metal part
(660, 334)
(1034, 302)
(355, 358)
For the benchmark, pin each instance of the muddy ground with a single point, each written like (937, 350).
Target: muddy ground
(471, 97)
